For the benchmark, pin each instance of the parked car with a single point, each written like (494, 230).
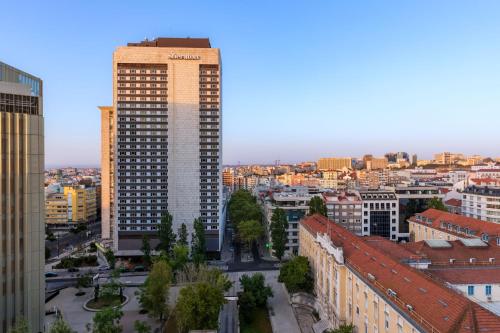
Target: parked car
(50, 274)
(103, 268)
(139, 268)
(73, 269)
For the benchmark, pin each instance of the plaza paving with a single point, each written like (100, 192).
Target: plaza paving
(72, 310)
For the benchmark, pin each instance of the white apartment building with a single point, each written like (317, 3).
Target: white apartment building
(481, 203)
(380, 213)
(296, 206)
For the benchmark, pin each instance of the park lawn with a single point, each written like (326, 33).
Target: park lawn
(260, 322)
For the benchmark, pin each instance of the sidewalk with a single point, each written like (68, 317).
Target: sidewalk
(283, 319)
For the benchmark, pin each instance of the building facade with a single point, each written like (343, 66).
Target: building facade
(380, 213)
(168, 151)
(82, 203)
(412, 200)
(22, 193)
(366, 286)
(107, 171)
(56, 209)
(481, 202)
(334, 163)
(296, 206)
(346, 209)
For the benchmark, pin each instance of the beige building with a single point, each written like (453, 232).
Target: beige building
(107, 171)
(357, 283)
(82, 206)
(334, 163)
(168, 150)
(56, 209)
(375, 163)
(22, 199)
(436, 224)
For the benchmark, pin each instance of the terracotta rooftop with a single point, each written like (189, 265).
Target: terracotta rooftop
(457, 251)
(480, 275)
(435, 307)
(435, 218)
(203, 43)
(453, 202)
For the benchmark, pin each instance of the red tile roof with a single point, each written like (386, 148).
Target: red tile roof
(478, 226)
(453, 202)
(457, 251)
(435, 307)
(478, 275)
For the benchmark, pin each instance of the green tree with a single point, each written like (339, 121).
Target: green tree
(21, 326)
(180, 256)
(141, 327)
(183, 235)
(243, 206)
(250, 231)
(60, 326)
(296, 275)
(255, 294)
(110, 257)
(146, 250)
(279, 234)
(153, 295)
(198, 242)
(107, 321)
(437, 203)
(166, 235)
(83, 281)
(198, 307)
(343, 329)
(317, 206)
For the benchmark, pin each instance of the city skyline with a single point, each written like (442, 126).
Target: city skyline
(366, 79)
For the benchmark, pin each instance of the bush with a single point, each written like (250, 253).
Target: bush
(70, 262)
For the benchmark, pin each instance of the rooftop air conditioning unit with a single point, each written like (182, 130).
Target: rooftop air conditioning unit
(452, 260)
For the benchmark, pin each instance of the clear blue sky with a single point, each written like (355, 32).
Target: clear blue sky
(301, 79)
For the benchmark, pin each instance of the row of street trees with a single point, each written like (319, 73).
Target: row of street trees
(246, 215)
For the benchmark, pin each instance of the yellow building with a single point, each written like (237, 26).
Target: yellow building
(81, 203)
(334, 163)
(56, 209)
(107, 170)
(357, 283)
(436, 224)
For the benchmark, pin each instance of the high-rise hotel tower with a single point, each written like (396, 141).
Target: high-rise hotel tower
(166, 144)
(22, 228)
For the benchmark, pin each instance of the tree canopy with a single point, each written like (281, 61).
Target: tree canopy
(107, 321)
(296, 275)
(153, 295)
(146, 250)
(243, 206)
(437, 203)
(182, 235)
(198, 307)
(165, 234)
(60, 326)
(279, 235)
(317, 206)
(250, 231)
(255, 294)
(21, 326)
(198, 242)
